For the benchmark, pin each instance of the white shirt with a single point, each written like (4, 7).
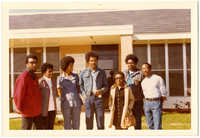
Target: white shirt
(51, 101)
(153, 87)
(94, 86)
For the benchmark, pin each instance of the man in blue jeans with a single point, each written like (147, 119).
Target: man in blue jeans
(155, 93)
(93, 84)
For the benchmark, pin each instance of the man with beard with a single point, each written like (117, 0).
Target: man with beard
(27, 96)
(93, 84)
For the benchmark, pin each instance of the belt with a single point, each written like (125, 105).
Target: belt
(152, 99)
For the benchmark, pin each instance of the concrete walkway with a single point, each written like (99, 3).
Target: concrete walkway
(82, 119)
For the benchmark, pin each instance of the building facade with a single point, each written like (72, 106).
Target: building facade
(161, 37)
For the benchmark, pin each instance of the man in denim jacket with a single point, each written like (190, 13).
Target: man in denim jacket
(93, 84)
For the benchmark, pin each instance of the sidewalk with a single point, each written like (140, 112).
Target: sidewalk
(82, 119)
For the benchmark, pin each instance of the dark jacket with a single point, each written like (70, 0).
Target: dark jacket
(27, 96)
(45, 92)
(136, 83)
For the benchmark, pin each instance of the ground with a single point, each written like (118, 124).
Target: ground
(171, 121)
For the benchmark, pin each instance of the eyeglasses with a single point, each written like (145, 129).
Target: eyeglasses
(32, 62)
(119, 78)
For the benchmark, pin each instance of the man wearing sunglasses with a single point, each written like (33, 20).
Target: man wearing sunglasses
(27, 96)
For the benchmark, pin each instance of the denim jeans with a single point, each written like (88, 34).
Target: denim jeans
(71, 117)
(153, 114)
(94, 105)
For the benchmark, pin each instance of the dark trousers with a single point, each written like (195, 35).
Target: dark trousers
(94, 105)
(137, 112)
(48, 121)
(27, 122)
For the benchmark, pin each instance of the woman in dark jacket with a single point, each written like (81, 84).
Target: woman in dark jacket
(48, 91)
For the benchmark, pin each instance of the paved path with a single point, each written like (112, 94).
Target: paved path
(82, 120)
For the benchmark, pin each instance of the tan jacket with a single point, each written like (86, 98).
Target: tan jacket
(128, 104)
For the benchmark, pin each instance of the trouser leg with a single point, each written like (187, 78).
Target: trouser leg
(27, 123)
(99, 112)
(76, 117)
(89, 112)
(148, 114)
(51, 119)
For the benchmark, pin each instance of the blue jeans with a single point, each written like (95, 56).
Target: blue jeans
(153, 114)
(93, 105)
(71, 117)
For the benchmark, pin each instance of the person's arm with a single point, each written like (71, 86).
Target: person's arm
(131, 99)
(78, 88)
(105, 85)
(19, 94)
(81, 85)
(59, 90)
(163, 90)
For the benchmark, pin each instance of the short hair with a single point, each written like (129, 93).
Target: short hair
(91, 54)
(46, 66)
(132, 57)
(31, 56)
(149, 65)
(65, 61)
(119, 72)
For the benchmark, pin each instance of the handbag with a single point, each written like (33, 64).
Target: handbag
(129, 120)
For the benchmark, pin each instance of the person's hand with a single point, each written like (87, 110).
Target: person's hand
(59, 92)
(163, 99)
(98, 92)
(17, 111)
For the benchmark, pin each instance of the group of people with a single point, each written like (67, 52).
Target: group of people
(35, 99)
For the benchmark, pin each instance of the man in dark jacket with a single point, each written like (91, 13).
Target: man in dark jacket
(27, 96)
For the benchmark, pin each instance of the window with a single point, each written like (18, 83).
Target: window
(176, 80)
(52, 54)
(158, 59)
(140, 50)
(52, 57)
(188, 61)
(19, 59)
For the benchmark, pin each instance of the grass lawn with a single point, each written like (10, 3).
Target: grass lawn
(171, 121)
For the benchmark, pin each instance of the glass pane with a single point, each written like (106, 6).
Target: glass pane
(9, 60)
(9, 85)
(188, 55)
(175, 56)
(160, 73)
(158, 56)
(176, 83)
(53, 57)
(39, 53)
(19, 59)
(107, 54)
(188, 83)
(140, 50)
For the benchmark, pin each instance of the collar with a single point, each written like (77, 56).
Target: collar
(65, 77)
(31, 73)
(47, 79)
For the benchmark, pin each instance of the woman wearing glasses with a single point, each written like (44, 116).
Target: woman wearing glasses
(121, 101)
